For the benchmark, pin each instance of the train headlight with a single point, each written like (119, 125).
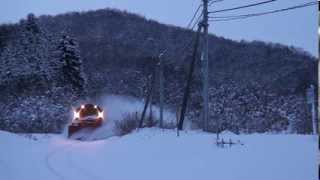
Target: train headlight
(100, 114)
(76, 115)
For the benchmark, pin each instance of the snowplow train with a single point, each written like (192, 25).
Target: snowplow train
(86, 116)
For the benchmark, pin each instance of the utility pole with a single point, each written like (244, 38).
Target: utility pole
(149, 96)
(189, 78)
(161, 88)
(205, 65)
(311, 98)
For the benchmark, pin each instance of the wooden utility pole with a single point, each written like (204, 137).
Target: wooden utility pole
(149, 95)
(161, 93)
(311, 98)
(150, 122)
(188, 85)
(205, 65)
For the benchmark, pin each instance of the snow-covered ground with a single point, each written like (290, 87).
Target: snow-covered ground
(158, 154)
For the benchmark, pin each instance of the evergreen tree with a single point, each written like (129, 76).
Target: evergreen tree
(27, 56)
(31, 24)
(29, 74)
(71, 64)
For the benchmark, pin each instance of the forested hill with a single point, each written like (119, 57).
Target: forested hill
(254, 86)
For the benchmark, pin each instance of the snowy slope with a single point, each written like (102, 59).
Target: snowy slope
(156, 154)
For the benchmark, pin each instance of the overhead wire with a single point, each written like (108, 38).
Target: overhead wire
(214, 1)
(196, 22)
(244, 16)
(194, 16)
(190, 26)
(241, 7)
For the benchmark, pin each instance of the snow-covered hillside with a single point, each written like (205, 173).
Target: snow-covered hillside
(158, 154)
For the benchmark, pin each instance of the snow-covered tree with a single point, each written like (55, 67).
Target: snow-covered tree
(39, 81)
(72, 71)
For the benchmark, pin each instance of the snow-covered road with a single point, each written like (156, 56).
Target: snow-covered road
(156, 154)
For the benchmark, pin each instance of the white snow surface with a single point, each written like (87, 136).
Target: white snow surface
(158, 154)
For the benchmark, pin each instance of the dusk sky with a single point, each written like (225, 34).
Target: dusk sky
(296, 27)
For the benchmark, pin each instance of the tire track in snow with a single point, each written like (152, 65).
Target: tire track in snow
(66, 150)
(49, 165)
(84, 171)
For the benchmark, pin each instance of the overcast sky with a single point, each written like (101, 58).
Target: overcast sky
(297, 27)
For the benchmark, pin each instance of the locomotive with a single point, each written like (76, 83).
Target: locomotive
(86, 116)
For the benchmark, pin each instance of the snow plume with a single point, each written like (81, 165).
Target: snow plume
(115, 109)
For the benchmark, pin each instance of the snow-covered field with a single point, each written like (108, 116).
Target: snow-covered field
(158, 154)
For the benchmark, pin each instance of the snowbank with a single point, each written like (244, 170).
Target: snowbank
(159, 154)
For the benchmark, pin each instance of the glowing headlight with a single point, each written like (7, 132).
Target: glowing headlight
(82, 106)
(76, 114)
(100, 114)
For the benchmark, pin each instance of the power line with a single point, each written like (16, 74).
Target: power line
(197, 21)
(241, 7)
(244, 16)
(199, 17)
(194, 16)
(214, 1)
(201, 14)
(187, 45)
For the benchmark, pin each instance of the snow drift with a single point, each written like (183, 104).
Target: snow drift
(159, 154)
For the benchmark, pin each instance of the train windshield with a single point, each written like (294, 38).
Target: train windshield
(89, 110)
